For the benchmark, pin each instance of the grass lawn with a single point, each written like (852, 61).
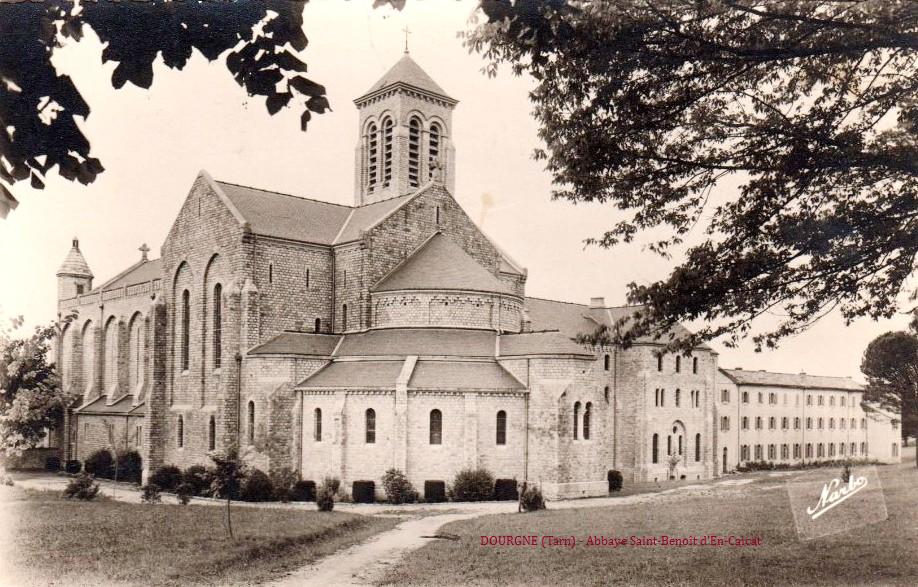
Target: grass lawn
(105, 542)
(882, 553)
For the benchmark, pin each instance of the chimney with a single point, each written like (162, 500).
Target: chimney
(597, 302)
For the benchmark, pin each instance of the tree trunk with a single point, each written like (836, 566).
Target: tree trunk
(229, 520)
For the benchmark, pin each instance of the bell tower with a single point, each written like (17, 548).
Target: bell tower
(74, 277)
(404, 136)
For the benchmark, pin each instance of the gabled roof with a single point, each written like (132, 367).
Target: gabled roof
(364, 217)
(540, 343)
(441, 264)
(406, 71)
(298, 343)
(124, 406)
(139, 272)
(419, 341)
(796, 380)
(355, 374)
(463, 375)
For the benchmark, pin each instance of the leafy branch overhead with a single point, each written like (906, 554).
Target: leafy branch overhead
(809, 108)
(39, 106)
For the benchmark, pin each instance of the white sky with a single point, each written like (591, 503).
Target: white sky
(154, 142)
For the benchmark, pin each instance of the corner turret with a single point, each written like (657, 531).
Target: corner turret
(74, 276)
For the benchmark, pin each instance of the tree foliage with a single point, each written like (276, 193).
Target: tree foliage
(890, 364)
(31, 398)
(39, 106)
(811, 107)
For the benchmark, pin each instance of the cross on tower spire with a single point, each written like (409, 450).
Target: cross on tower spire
(407, 32)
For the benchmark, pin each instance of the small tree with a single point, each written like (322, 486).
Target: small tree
(672, 463)
(398, 487)
(228, 473)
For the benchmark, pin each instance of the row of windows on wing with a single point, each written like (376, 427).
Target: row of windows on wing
(110, 351)
(785, 423)
(822, 450)
(216, 330)
(435, 426)
(212, 428)
(773, 399)
(380, 152)
(659, 398)
(678, 364)
(672, 448)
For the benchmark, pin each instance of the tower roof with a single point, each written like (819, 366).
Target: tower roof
(74, 264)
(407, 71)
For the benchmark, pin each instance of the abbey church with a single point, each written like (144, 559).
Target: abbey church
(348, 340)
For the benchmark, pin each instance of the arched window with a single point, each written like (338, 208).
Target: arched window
(212, 434)
(436, 427)
(433, 152)
(655, 449)
(180, 432)
(186, 328)
(218, 326)
(659, 362)
(136, 351)
(576, 420)
(414, 152)
(110, 357)
(89, 358)
(606, 362)
(669, 444)
(695, 365)
(678, 364)
(370, 426)
(317, 425)
(318, 326)
(372, 157)
(251, 422)
(343, 317)
(387, 151)
(678, 393)
(605, 394)
(587, 412)
(501, 427)
(697, 448)
(745, 397)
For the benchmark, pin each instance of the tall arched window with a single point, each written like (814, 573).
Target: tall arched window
(436, 427)
(678, 363)
(678, 394)
(89, 359)
(607, 362)
(372, 157)
(186, 328)
(433, 152)
(218, 326)
(180, 432)
(251, 422)
(576, 420)
(414, 152)
(110, 357)
(370, 426)
(669, 444)
(655, 449)
(387, 151)
(697, 447)
(605, 394)
(136, 352)
(317, 425)
(587, 412)
(501, 427)
(343, 317)
(212, 434)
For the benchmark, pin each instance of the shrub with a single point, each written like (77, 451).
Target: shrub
(53, 463)
(73, 466)
(184, 492)
(284, 480)
(83, 486)
(100, 464)
(256, 486)
(434, 491)
(167, 478)
(150, 493)
(505, 490)
(325, 495)
(198, 478)
(364, 492)
(532, 499)
(130, 466)
(398, 488)
(303, 491)
(615, 481)
(472, 485)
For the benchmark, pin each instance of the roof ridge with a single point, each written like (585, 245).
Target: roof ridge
(118, 276)
(250, 187)
(587, 306)
(742, 370)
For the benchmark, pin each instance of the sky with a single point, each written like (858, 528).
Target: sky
(153, 143)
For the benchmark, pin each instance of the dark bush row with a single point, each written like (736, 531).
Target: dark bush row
(257, 486)
(102, 464)
(769, 466)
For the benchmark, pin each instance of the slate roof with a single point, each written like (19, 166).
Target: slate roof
(441, 264)
(419, 341)
(796, 380)
(74, 263)
(540, 343)
(140, 272)
(298, 343)
(407, 71)
(463, 375)
(355, 374)
(123, 407)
